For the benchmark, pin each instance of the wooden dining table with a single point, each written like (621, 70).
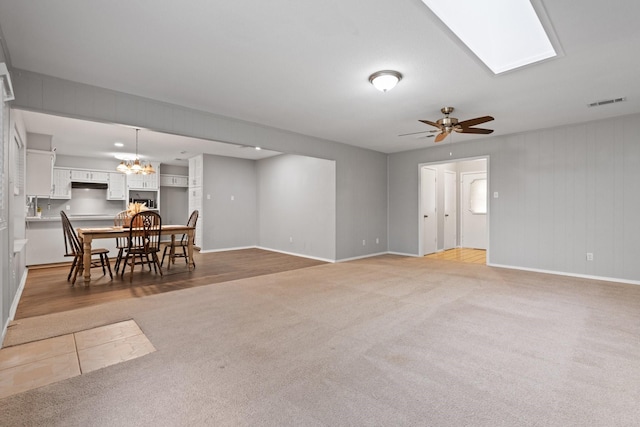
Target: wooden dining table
(88, 235)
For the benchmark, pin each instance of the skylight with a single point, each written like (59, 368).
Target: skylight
(504, 34)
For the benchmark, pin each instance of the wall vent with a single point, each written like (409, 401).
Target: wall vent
(608, 101)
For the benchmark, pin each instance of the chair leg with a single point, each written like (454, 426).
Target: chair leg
(73, 266)
(124, 267)
(106, 259)
(118, 259)
(76, 261)
(184, 253)
(164, 253)
(157, 262)
(133, 262)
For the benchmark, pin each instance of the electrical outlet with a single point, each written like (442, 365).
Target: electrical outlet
(290, 239)
(377, 241)
(364, 242)
(589, 256)
(233, 198)
(68, 207)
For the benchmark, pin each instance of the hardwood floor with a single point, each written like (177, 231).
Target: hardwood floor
(47, 290)
(474, 256)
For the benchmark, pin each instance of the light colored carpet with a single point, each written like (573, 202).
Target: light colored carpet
(386, 341)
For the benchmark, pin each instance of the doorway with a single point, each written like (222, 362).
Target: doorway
(473, 224)
(428, 204)
(454, 208)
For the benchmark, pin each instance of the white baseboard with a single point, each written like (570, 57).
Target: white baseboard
(404, 254)
(296, 254)
(209, 251)
(563, 273)
(361, 257)
(14, 305)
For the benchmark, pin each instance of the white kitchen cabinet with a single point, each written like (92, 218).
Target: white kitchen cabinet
(61, 188)
(174, 181)
(195, 171)
(117, 189)
(195, 202)
(39, 172)
(82, 175)
(144, 182)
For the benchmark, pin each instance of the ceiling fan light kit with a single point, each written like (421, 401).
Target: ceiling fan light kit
(385, 80)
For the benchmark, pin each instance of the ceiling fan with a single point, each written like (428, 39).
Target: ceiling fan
(447, 124)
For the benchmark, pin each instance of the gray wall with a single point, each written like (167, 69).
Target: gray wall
(563, 192)
(229, 223)
(361, 199)
(297, 205)
(174, 205)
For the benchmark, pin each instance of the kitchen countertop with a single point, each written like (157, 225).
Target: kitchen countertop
(71, 217)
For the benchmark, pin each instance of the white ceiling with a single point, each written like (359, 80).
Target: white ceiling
(91, 139)
(304, 66)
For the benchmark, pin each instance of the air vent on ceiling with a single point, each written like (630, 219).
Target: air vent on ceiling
(605, 102)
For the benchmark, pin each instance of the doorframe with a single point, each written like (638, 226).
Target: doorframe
(458, 197)
(420, 214)
(461, 205)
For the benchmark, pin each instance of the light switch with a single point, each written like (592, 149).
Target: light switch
(233, 198)
(495, 194)
(208, 196)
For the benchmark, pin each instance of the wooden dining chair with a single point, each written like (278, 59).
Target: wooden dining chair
(173, 246)
(73, 248)
(122, 243)
(144, 242)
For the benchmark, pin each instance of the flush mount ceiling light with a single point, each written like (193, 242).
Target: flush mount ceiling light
(504, 34)
(385, 80)
(135, 166)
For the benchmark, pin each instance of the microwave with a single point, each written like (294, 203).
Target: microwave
(149, 203)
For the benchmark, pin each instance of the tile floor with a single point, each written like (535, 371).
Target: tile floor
(35, 364)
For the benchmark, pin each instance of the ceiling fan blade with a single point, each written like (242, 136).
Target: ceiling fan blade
(415, 133)
(476, 130)
(431, 123)
(476, 121)
(441, 136)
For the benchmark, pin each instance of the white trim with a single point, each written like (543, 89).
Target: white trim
(405, 254)
(14, 305)
(208, 251)
(266, 249)
(361, 257)
(9, 95)
(296, 254)
(563, 273)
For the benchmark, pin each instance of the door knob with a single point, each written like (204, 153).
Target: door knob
(426, 216)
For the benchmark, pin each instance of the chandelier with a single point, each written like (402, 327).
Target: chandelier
(135, 166)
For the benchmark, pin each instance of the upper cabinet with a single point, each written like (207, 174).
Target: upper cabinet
(144, 182)
(81, 175)
(117, 189)
(40, 172)
(174, 181)
(195, 171)
(61, 188)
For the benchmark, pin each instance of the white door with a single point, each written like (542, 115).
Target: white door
(450, 210)
(474, 210)
(428, 210)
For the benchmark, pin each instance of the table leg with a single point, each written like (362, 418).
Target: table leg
(172, 251)
(86, 259)
(190, 235)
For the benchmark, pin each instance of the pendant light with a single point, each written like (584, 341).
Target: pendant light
(135, 166)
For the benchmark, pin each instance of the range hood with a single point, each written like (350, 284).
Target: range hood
(90, 185)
